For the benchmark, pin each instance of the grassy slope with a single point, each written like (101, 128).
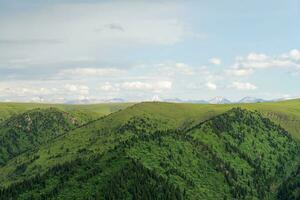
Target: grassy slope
(103, 134)
(163, 115)
(286, 113)
(251, 149)
(183, 161)
(91, 112)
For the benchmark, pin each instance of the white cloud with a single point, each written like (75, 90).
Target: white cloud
(211, 86)
(137, 85)
(27, 91)
(47, 91)
(90, 72)
(38, 99)
(254, 61)
(215, 61)
(67, 91)
(172, 69)
(156, 98)
(242, 86)
(294, 54)
(63, 32)
(9, 89)
(255, 57)
(77, 89)
(184, 68)
(108, 87)
(239, 71)
(154, 86)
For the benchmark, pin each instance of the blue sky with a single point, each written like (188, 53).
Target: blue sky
(58, 51)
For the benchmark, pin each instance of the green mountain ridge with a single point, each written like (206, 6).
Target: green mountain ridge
(154, 151)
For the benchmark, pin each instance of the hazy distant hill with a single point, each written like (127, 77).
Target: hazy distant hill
(251, 100)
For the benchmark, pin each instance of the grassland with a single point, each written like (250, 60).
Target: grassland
(92, 111)
(285, 113)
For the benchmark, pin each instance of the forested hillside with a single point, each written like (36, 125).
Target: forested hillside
(27, 130)
(151, 151)
(290, 188)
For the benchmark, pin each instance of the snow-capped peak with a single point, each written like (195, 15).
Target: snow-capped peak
(219, 100)
(251, 100)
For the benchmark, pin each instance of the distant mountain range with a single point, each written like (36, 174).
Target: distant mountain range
(93, 101)
(219, 100)
(223, 100)
(251, 100)
(215, 100)
(177, 100)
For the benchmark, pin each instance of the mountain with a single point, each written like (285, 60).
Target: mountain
(174, 100)
(216, 100)
(197, 101)
(115, 100)
(96, 101)
(283, 99)
(219, 100)
(177, 100)
(251, 100)
(81, 101)
(165, 151)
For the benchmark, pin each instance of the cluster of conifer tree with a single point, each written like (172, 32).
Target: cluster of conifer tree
(290, 188)
(137, 182)
(24, 131)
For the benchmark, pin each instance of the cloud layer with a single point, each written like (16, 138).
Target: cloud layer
(257, 61)
(64, 32)
(144, 81)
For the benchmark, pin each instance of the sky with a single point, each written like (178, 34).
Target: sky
(63, 51)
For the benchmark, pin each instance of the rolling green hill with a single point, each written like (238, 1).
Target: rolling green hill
(164, 151)
(286, 113)
(89, 112)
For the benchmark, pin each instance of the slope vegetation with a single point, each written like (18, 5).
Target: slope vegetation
(32, 128)
(84, 112)
(238, 154)
(160, 151)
